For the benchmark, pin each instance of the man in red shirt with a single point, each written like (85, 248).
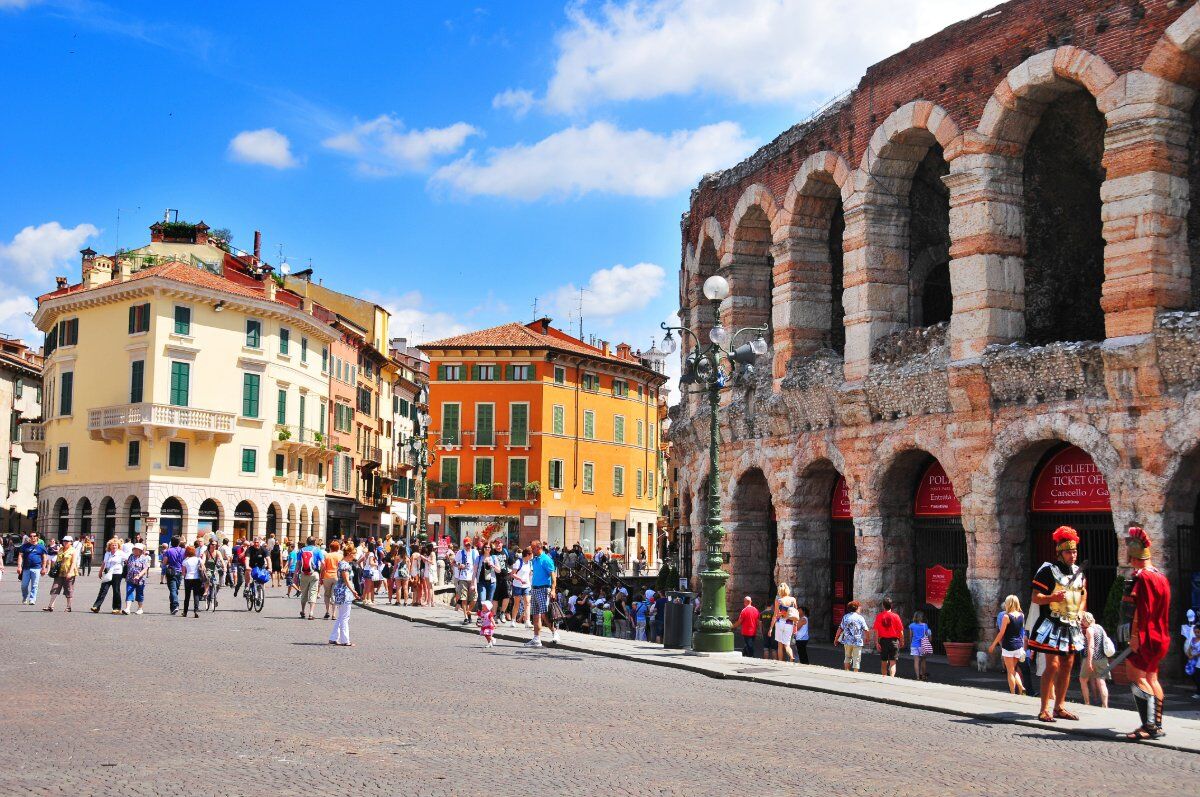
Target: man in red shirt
(748, 624)
(1149, 593)
(889, 630)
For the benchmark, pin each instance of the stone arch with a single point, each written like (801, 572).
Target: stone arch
(697, 313)
(83, 517)
(107, 514)
(62, 519)
(245, 519)
(274, 517)
(903, 164)
(807, 310)
(753, 539)
(289, 530)
(172, 518)
(805, 530)
(315, 520)
(303, 530)
(210, 516)
(747, 261)
(132, 510)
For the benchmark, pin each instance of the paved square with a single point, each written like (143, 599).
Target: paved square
(247, 704)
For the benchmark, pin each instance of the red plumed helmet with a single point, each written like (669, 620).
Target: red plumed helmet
(1138, 543)
(1065, 538)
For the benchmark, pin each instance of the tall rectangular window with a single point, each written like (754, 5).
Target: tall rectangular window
(280, 466)
(66, 391)
(518, 476)
(558, 423)
(64, 457)
(139, 318)
(302, 421)
(281, 407)
(450, 418)
(249, 460)
(177, 454)
(250, 384)
(518, 417)
(303, 350)
(483, 470)
(619, 428)
(641, 431)
(637, 483)
(133, 454)
(618, 480)
(485, 424)
(183, 319)
(253, 333)
(285, 340)
(560, 375)
(589, 477)
(589, 425)
(181, 378)
(321, 418)
(137, 379)
(14, 474)
(449, 477)
(324, 359)
(554, 473)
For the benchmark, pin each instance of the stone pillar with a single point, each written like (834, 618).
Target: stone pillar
(1145, 195)
(876, 273)
(987, 244)
(801, 298)
(868, 570)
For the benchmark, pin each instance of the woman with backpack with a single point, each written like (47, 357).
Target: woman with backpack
(1097, 648)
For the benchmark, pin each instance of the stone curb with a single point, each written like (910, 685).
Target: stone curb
(1008, 718)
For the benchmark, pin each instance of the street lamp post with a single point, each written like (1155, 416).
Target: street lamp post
(422, 458)
(703, 366)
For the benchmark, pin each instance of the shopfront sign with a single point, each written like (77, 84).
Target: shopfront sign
(840, 505)
(1071, 482)
(935, 494)
(937, 584)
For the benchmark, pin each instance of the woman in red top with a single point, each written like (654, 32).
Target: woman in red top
(1149, 593)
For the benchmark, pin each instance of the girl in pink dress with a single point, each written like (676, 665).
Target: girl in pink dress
(487, 623)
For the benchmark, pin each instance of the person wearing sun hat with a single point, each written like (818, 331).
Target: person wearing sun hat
(1148, 595)
(1056, 613)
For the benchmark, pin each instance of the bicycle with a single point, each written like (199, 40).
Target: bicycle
(255, 596)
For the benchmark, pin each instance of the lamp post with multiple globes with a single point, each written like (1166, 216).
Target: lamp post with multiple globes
(703, 367)
(418, 446)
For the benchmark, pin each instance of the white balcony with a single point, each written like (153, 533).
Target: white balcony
(303, 441)
(32, 437)
(159, 421)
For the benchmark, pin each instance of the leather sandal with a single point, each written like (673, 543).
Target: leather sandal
(1139, 734)
(1045, 717)
(1063, 714)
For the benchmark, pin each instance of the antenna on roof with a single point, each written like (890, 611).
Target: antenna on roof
(581, 291)
(535, 312)
(170, 216)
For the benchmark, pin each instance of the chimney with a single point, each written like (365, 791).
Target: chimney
(201, 234)
(604, 347)
(124, 268)
(623, 351)
(269, 287)
(257, 245)
(61, 282)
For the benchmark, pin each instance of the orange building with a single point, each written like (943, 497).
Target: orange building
(546, 436)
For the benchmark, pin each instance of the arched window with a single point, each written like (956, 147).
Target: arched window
(930, 300)
(209, 517)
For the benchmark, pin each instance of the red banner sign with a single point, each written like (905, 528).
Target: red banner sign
(840, 505)
(1071, 482)
(839, 590)
(839, 611)
(935, 495)
(937, 584)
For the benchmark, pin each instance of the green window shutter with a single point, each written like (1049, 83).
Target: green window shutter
(285, 339)
(485, 426)
(280, 465)
(321, 419)
(281, 407)
(559, 420)
(520, 425)
(518, 472)
(183, 320)
(250, 395)
(249, 460)
(65, 395)
(618, 429)
(508, 373)
(133, 319)
(137, 377)
(303, 421)
(441, 373)
(450, 414)
(450, 472)
(181, 374)
(303, 350)
(483, 470)
(475, 373)
(589, 425)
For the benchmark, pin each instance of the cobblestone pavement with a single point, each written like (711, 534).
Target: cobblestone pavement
(248, 704)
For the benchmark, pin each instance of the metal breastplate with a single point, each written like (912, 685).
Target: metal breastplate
(1069, 608)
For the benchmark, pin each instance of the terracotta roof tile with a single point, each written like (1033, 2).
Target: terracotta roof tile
(519, 336)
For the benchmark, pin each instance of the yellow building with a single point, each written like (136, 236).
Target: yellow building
(185, 391)
(540, 435)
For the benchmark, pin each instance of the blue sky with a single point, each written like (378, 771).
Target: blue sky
(454, 161)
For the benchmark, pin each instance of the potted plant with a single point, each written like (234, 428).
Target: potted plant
(532, 490)
(481, 492)
(958, 626)
(1112, 625)
(285, 434)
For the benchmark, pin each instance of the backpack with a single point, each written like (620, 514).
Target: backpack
(306, 562)
(1108, 648)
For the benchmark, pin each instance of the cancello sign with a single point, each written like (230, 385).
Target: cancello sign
(840, 509)
(1071, 482)
(935, 494)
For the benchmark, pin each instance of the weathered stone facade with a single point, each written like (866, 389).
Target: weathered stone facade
(1055, 235)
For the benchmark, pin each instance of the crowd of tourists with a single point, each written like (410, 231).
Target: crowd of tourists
(497, 585)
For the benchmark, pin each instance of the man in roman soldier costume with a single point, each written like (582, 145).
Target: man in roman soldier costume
(1148, 598)
(1056, 608)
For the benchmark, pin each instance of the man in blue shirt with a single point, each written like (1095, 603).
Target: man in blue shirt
(172, 565)
(544, 588)
(31, 564)
(308, 567)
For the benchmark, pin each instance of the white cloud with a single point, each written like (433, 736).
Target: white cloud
(599, 157)
(35, 252)
(16, 311)
(266, 147)
(412, 319)
(791, 51)
(611, 292)
(17, 5)
(519, 100)
(383, 146)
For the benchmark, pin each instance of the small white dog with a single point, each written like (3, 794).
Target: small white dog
(982, 660)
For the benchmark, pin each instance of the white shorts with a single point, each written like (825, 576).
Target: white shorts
(783, 632)
(1019, 655)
